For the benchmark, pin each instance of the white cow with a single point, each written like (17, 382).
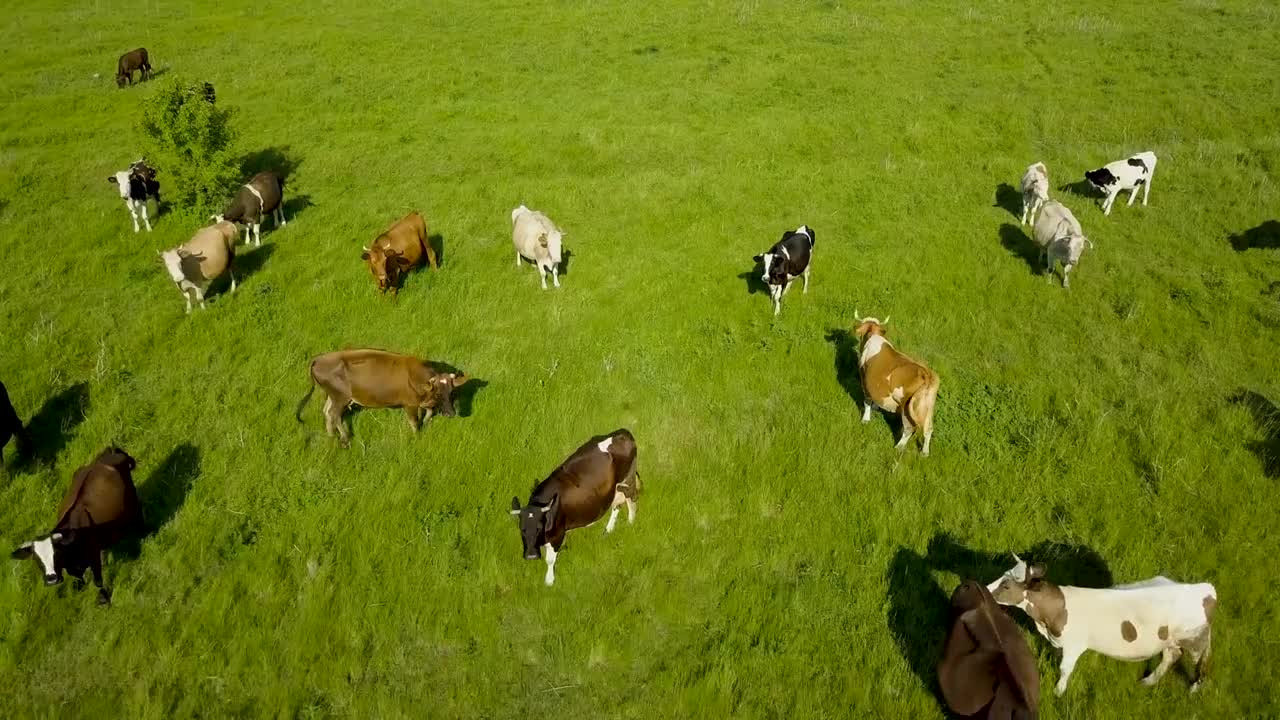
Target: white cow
(1133, 173)
(537, 239)
(1128, 622)
(1035, 191)
(1060, 238)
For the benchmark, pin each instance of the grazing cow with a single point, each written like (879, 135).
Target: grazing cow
(895, 383)
(399, 249)
(379, 379)
(129, 62)
(195, 264)
(1060, 239)
(537, 240)
(137, 185)
(987, 670)
(1128, 622)
(599, 476)
(256, 199)
(1133, 174)
(785, 261)
(1035, 191)
(100, 508)
(10, 424)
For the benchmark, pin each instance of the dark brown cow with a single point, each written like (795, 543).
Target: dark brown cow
(256, 199)
(599, 476)
(130, 62)
(10, 424)
(987, 670)
(100, 508)
(398, 250)
(379, 379)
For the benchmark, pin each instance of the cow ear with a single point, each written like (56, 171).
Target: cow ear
(551, 510)
(758, 258)
(1035, 572)
(365, 255)
(23, 552)
(542, 239)
(63, 538)
(458, 379)
(515, 506)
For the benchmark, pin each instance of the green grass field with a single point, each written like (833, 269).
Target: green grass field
(786, 561)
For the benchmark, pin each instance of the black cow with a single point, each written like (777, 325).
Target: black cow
(785, 261)
(10, 424)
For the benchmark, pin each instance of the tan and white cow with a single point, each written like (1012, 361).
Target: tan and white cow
(195, 264)
(895, 383)
(1128, 622)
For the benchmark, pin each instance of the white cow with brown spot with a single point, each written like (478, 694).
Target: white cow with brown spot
(895, 383)
(1127, 622)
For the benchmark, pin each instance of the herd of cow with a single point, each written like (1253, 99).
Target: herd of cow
(986, 669)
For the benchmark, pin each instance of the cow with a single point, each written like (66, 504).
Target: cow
(256, 199)
(10, 424)
(788, 259)
(194, 265)
(1131, 622)
(539, 241)
(1060, 238)
(895, 383)
(99, 509)
(137, 185)
(208, 93)
(379, 379)
(600, 476)
(1035, 191)
(1133, 173)
(987, 670)
(128, 63)
(398, 250)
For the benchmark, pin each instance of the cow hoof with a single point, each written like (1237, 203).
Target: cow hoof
(1195, 686)
(1148, 681)
(104, 597)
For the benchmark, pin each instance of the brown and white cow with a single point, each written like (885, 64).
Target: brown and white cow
(10, 424)
(99, 509)
(396, 251)
(1131, 622)
(379, 379)
(130, 63)
(194, 265)
(895, 383)
(600, 476)
(263, 195)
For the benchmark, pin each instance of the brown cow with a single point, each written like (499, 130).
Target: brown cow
(987, 670)
(129, 62)
(10, 424)
(398, 250)
(895, 383)
(100, 508)
(601, 475)
(379, 379)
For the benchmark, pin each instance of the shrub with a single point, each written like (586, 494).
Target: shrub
(190, 144)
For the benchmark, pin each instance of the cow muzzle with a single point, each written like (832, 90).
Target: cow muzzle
(51, 580)
(531, 555)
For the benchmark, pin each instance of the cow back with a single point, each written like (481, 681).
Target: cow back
(528, 227)
(100, 495)
(270, 187)
(373, 378)
(207, 255)
(1055, 221)
(408, 236)
(587, 480)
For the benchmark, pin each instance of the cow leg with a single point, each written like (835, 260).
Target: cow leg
(186, 295)
(257, 233)
(145, 219)
(232, 273)
(1171, 655)
(280, 216)
(133, 213)
(1111, 200)
(411, 412)
(1146, 191)
(1069, 657)
(866, 411)
(786, 286)
(1198, 649)
(1134, 195)
(517, 258)
(907, 428)
(200, 297)
(806, 280)
(542, 275)
(328, 419)
(1066, 275)
(555, 275)
(104, 597)
(551, 564)
(247, 232)
(619, 499)
(335, 414)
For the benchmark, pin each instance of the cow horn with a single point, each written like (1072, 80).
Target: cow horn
(886, 320)
(366, 248)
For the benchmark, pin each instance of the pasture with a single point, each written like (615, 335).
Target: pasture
(786, 561)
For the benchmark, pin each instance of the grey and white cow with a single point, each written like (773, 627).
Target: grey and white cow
(1060, 238)
(1035, 191)
(538, 240)
(137, 185)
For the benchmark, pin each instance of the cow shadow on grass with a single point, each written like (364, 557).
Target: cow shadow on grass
(464, 396)
(1267, 417)
(1021, 246)
(1264, 236)
(755, 280)
(249, 262)
(53, 425)
(436, 243)
(564, 262)
(919, 608)
(276, 159)
(1009, 198)
(294, 205)
(1080, 188)
(162, 495)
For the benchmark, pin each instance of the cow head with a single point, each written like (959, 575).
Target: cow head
(552, 242)
(48, 552)
(1100, 178)
(387, 266)
(113, 456)
(121, 181)
(535, 520)
(1012, 587)
(869, 326)
(439, 396)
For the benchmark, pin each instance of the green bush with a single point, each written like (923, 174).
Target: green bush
(190, 144)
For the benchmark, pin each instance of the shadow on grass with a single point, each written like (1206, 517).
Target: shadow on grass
(1267, 417)
(1265, 236)
(294, 206)
(51, 428)
(248, 263)
(919, 608)
(1009, 198)
(436, 243)
(276, 159)
(1080, 188)
(1021, 246)
(163, 494)
(755, 280)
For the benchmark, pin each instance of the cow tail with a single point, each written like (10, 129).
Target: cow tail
(921, 404)
(297, 415)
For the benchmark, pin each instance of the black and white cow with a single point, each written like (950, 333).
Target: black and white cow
(137, 185)
(1133, 174)
(261, 197)
(787, 260)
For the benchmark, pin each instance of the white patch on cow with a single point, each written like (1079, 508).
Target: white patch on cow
(804, 230)
(44, 553)
(261, 203)
(122, 183)
(872, 347)
(768, 261)
(604, 444)
(613, 518)
(785, 254)
(551, 564)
